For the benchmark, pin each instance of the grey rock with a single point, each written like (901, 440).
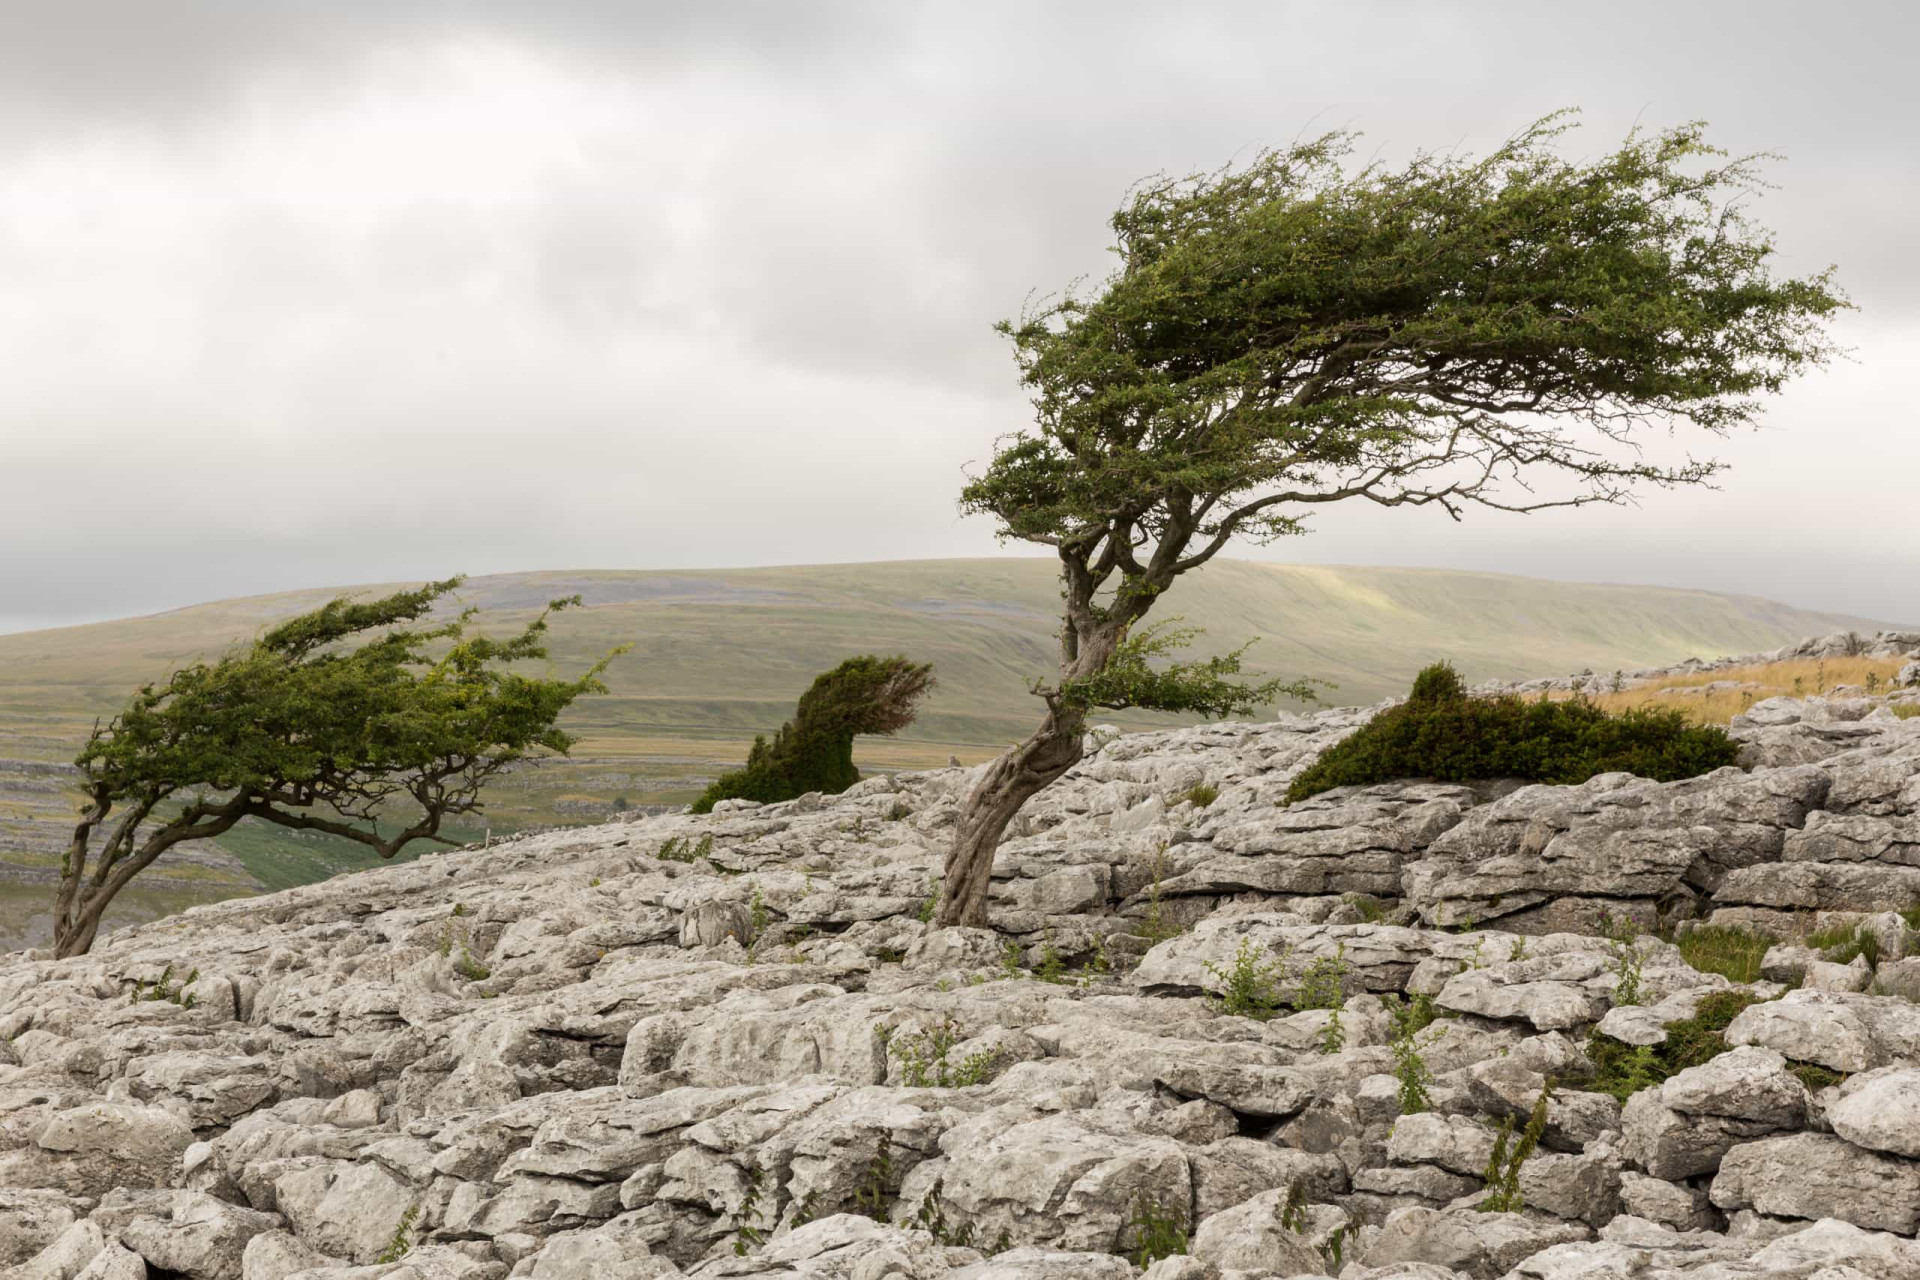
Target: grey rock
(1482, 1245)
(1813, 1175)
(1880, 1111)
(1249, 1237)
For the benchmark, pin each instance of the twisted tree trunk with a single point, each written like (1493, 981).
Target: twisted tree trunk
(1017, 776)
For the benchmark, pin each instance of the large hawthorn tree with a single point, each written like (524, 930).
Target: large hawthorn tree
(1499, 332)
(343, 720)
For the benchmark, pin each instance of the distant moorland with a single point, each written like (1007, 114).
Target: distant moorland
(721, 655)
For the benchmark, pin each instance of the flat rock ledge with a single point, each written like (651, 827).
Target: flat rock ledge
(566, 1056)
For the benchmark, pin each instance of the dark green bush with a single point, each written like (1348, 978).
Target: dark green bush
(814, 750)
(1442, 733)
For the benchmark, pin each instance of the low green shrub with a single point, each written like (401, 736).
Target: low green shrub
(1439, 732)
(1623, 1069)
(814, 750)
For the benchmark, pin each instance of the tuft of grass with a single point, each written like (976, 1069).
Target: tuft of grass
(1905, 710)
(1371, 909)
(1201, 794)
(1733, 953)
(1800, 678)
(1814, 1076)
(1843, 943)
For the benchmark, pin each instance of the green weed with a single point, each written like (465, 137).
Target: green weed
(1248, 987)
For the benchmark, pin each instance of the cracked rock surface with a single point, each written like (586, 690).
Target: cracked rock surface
(566, 1057)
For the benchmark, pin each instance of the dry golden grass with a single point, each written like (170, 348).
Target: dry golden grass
(1800, 678)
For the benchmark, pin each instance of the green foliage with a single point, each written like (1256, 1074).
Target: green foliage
(876, 1185)
(1293, 1209)
(402, 1243)
(1628, 963)
(1437, 683)
(758, 917)
(1454, 738)
(1010, 960)
(1292, 330)
(1814, 1076)
(1323, 984)
(923, 1058)
(1502, 1175)
(1371, 909)
(1201, 794)
(469, 968)
(1053, 965)
(1409, 1067)
(931, 1217)
(1142, 673)
(1731, 952)
(1249, 987)
(323, 724)
(1623, 1070)
(814, 750)
(1842, 944)
(929, 904)
(165, 988)
(677, 849)
(747, 1232)
(1156, 928)
(1157, 1230)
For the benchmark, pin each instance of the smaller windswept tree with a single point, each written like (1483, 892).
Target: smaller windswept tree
(814, 750)
(303, 730)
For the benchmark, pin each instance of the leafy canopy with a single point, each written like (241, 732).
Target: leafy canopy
(814, 750)
(1441, 733)
(1295, 331)
(1131, 679)
(305, 729)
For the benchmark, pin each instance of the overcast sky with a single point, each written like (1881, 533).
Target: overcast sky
(298, 294)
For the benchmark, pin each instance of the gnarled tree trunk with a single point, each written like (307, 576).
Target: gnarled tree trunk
(1017, 776)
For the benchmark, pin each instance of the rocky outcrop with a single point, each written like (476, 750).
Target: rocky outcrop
(1192, 1040)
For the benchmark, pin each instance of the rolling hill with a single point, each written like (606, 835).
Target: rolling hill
(721, 655)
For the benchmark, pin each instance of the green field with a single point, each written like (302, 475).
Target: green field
(721, 655)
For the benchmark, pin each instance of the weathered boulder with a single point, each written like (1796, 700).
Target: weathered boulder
(1814, 1175)
(1880, 1111)
(1483, 1245)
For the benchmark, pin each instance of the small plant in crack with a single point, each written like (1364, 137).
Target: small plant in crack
(748, 1234)
(1503, 1167)
(402, 1243)
(924, 1059)
(1157, 1230)
(1248, 987)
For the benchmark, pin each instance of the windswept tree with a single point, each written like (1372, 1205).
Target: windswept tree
(814, 750)
(305, 730)
(1453, 333)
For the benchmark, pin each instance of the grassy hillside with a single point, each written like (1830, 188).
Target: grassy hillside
(720, 655)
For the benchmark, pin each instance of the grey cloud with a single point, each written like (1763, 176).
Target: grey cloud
(720, 290)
